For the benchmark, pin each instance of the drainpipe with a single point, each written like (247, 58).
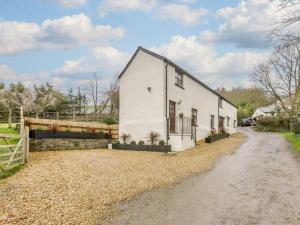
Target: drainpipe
(218, 113)
(166, 102)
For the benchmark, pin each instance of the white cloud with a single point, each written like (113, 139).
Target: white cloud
(7, 74)
(182, 13)
(125, 5)
(74, 68)
(247, 25)
(71, 3)
(65, 32)
(230, 69)
(105, 61)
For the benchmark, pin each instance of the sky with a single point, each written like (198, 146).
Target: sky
(65, 41)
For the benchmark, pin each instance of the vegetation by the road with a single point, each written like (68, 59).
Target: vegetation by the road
(294, 139)
(246, 99)
(10, 172)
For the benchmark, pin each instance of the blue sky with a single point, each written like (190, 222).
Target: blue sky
(65, 41)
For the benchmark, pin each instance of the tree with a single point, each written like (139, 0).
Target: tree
(286, 31)
(280, 77)
(44, 97)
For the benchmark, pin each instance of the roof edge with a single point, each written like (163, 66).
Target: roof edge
(177, 67)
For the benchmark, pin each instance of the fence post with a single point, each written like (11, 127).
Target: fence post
(26, 145)
(9, 117)
(21, 122)
(74, 115)
(57, 115)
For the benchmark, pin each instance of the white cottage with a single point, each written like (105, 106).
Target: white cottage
(158, 95)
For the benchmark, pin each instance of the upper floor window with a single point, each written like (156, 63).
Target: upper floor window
(220, 102)
(179, 79)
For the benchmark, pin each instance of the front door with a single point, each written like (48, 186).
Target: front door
(172, 116)
(221, 123)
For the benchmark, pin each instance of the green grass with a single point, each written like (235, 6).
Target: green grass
(5, 130)
(293, 139)
(10, 172)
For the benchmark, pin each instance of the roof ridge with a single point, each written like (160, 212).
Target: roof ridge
(176, 66)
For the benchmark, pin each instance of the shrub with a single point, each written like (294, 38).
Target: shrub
(161, 142)
(141, 142)
(109, 121)
(153, 137)
(132, 143)
(118, 142)
(125, 137)
(272, 124)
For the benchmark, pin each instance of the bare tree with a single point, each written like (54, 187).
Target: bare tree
(286, 31)
(280, 77)
(94, 92)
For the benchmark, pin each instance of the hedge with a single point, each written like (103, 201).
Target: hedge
(273, 124)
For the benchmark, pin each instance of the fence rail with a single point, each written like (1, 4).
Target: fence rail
(14, 116)
(46, 124)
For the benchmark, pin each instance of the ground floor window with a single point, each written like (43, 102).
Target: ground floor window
(172, 116)
(212, 122)
(234, 123)
(228, 121)
(194, 117)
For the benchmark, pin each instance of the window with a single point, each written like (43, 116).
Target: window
(212, 122)
(194, 117)
(234, 123)
(220, 102)
(228, 121)
(179, 79)
(172, 116)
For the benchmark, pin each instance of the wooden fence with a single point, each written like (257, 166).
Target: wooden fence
(62, 125)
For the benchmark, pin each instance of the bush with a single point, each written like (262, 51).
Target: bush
(153, 137)
(141, 142)
(118, 142)
(125, 137)
(132, 143)
(161, 142)
(272, 124)
(109, 121)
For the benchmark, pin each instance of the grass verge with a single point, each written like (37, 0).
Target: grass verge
(10, 172)
(293, 139)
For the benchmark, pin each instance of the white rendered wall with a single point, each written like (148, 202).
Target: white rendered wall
(142, 111)
(228, 110)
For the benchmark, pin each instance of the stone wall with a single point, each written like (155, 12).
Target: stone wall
(66, 144)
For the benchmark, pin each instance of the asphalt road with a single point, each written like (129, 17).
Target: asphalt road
(260, 184)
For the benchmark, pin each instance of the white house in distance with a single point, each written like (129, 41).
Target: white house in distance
(157, 95)
(266, 111)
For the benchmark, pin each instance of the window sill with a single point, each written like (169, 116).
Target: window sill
(179, 86)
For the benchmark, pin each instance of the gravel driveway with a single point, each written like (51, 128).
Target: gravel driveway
(80, 187)
(260, 184)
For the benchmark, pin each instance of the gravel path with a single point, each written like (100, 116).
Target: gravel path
(80, 187)
(260, 184)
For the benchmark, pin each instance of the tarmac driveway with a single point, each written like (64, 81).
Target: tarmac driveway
(260, 184)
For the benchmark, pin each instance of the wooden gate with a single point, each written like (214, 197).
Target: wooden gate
(16, 152)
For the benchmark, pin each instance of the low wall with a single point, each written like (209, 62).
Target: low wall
(66, 144)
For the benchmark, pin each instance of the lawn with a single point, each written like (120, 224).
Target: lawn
(294, 139)
(15, 167)
(80, 187)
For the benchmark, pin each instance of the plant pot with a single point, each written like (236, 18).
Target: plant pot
(151, 148)
(110, 146)
(43, 134)
(214, 138)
